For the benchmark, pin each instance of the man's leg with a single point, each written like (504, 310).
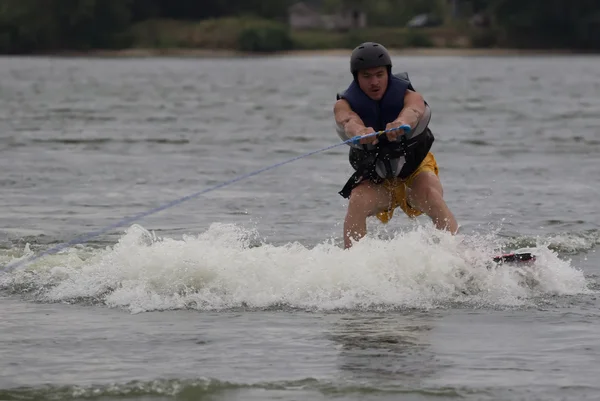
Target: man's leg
(367, 199)
(426, 194)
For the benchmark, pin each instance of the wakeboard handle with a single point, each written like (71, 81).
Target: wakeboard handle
(356, 140)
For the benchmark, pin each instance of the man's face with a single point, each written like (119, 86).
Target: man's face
(373, 81)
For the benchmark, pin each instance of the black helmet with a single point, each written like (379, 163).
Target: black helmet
(369, 55)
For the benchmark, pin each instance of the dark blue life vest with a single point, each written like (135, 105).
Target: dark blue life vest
(377, 114)
(386, 159)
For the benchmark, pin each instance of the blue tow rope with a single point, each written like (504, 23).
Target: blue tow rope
(84, 238)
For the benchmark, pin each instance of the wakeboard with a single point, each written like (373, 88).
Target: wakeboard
(514, 258)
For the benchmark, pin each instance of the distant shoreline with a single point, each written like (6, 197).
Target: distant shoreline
(223, 53)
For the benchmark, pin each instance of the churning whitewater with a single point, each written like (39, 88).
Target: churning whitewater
(228, 266)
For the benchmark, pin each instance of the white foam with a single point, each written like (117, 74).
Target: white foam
(221, 268)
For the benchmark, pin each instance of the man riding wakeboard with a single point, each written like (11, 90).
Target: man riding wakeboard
(392, 170)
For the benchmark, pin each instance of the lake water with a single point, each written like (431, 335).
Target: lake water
(244, 292)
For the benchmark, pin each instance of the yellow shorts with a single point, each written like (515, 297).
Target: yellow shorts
(398, 189)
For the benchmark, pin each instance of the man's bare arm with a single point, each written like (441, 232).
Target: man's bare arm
(347, 120)
(414, 107)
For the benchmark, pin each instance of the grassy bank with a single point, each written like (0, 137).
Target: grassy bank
(255, 35)
(220, 53)
(227, 37)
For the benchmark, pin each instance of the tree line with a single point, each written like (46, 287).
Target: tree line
(28, 26)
